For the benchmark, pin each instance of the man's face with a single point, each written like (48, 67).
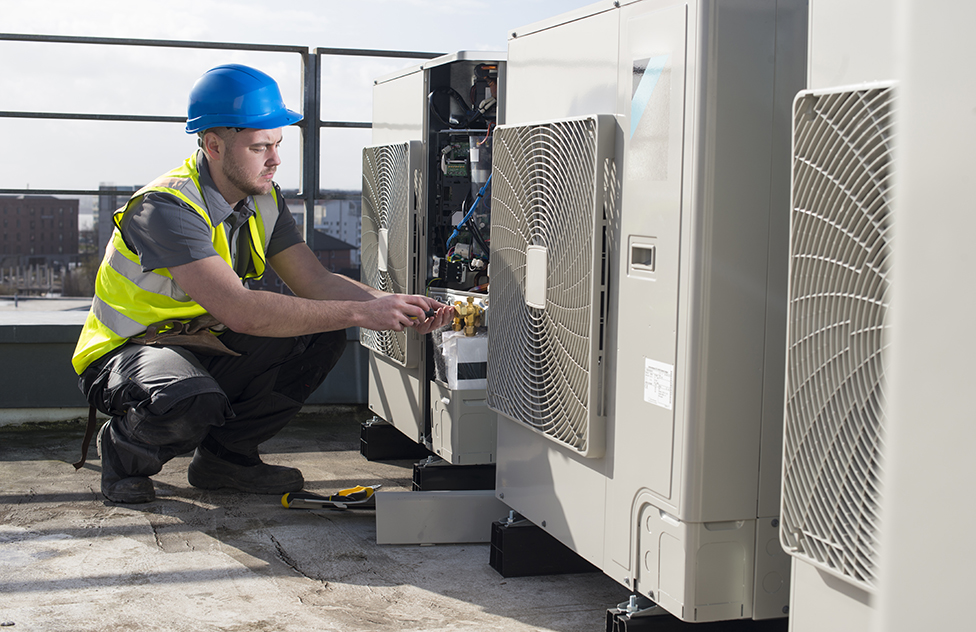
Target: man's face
(251, 159)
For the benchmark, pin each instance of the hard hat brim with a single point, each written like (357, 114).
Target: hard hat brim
(281, 118)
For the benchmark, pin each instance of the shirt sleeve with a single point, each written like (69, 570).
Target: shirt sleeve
(164, 232)
(285, 233)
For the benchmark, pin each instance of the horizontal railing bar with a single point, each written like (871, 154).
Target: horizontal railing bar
(144, 118)
(127, 41)
(369, 52)
(353, 124)
(279, 48)
(63, 192)
(79, 116)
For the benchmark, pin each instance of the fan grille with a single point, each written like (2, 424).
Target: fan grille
(386, 208)
(838, 315)
(544, 363)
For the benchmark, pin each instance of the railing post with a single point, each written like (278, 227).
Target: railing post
(312, 108)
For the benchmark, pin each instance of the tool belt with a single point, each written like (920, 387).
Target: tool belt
(196, 335)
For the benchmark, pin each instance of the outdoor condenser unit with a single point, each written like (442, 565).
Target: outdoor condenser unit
(836, 402)
(639, 250)
(430, 159)
(840, 250)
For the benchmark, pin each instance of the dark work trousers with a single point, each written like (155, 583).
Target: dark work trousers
(165, 401)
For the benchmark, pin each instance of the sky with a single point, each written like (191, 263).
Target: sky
(44, 77)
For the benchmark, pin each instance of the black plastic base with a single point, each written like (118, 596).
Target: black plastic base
(618, 621)
(444, 476)
(522, 549)
(381, 441)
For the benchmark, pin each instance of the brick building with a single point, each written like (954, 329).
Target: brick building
(38, 229)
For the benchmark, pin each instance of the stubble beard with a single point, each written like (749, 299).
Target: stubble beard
(237, 175)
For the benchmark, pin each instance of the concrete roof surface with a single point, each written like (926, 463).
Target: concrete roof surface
(197, 560)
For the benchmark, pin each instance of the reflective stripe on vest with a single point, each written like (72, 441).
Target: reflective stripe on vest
(127, 299)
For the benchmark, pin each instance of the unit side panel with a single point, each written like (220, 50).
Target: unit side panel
(554, 488)
(851, 42)
(651, 91)
(563, 72)
(729, 227)
(791, 67)
(399, 395)
(558, 73)
(398, 109)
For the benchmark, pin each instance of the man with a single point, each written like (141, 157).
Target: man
(175, 271)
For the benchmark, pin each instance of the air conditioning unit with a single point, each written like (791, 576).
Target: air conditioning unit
(836, 403)
(427, 173)
(639, 250)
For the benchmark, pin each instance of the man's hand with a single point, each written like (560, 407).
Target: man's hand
(398, 311)
(443, 315)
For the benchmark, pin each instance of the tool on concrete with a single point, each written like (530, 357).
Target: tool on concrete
(359, 497)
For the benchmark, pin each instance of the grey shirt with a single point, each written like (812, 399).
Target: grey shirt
(165, 232)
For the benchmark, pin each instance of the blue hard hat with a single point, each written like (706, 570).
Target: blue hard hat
(233, 95)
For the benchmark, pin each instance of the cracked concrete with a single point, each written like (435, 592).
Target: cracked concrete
(197, 560)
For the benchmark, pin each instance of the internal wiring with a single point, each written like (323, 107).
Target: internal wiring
(451, 92)
(487, 135)
(467, 217)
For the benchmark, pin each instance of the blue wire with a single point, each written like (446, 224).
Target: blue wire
(481, 194)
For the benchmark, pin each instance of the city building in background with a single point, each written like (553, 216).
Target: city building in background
(338, 213)
(38, 230)
(335, 255)
(107, 205)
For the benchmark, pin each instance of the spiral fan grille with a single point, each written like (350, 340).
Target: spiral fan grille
(838, 315)
(387, 217)
(548, 191)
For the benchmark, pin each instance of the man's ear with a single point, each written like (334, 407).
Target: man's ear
(213, 145)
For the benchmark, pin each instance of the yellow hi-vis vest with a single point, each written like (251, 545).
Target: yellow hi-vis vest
(128, 300)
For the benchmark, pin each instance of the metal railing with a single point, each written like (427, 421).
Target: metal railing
(310, 125)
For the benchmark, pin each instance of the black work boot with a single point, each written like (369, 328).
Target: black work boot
(236, 471)
(118, 488)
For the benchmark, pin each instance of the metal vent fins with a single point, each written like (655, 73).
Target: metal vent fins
(549, 277)
(839, 295)
(388, 261)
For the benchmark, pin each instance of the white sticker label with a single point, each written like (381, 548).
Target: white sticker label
(658, 383)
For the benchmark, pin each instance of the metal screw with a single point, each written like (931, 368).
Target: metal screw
(543, 523)
(501, 495)
(786, 609)
(775, 522)
(632, 604)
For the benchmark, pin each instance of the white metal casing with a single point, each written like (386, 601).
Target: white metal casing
(396, 392)
(851, 46)
(698, 256)
(399, 392)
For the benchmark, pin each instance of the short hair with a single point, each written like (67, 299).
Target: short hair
(223, 132)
